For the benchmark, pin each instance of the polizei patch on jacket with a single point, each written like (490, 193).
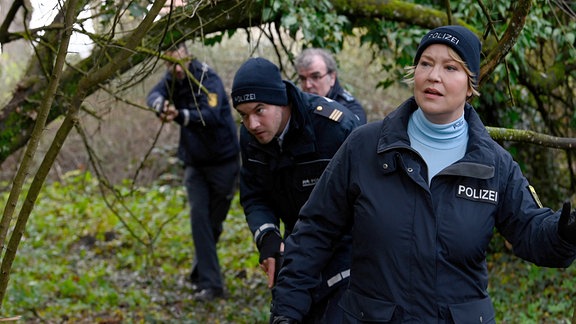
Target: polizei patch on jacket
(213, 99)
(309, 182)
(477, 194)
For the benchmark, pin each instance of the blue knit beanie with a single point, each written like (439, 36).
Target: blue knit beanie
(259, 80)
(460, 39)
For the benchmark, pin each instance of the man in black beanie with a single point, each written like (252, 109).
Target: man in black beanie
(287, 138)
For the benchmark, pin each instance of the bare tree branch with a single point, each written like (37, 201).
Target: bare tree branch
(499, 51)
(526, 136)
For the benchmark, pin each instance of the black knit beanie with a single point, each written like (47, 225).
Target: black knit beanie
(259, 80)
(460, 39)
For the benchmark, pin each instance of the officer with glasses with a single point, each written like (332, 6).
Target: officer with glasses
(318, 74)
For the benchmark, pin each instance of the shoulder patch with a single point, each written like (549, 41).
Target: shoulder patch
(330, 112)
(212, 99)
(535, 196)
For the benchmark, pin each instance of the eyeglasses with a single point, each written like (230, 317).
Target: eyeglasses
(314, 78)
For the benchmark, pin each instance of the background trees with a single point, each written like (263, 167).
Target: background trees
(527, 72)
(57, 114)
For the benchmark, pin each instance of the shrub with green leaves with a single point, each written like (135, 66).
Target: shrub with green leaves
(89, 257)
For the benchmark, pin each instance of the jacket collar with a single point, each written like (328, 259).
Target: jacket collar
(300, 138)
(335, 90)
(393, 133)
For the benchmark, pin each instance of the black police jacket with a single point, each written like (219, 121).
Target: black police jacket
(208, 132)
(274, 182)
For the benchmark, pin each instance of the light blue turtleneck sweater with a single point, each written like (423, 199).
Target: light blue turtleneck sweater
(439, 144)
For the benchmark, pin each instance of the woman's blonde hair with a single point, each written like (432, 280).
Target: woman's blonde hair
(409, 76)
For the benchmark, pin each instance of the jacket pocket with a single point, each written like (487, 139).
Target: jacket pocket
(361, 309)
(478, 311)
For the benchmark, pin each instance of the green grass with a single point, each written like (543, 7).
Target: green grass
(79, 262)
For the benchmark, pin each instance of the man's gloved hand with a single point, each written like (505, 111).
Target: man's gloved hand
(283, 320)
(567, 224)
(270, 245)
(270, 250)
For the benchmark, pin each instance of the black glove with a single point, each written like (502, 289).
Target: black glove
(567, 224)
(283, 320)
(270, 245)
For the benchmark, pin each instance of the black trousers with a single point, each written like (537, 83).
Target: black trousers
(210, 191)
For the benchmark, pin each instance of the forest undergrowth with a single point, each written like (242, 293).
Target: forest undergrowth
(86, 259)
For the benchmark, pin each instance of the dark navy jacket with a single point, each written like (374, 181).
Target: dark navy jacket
(337, 93)
(419, 249)
(275, 183)
(209, 133)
